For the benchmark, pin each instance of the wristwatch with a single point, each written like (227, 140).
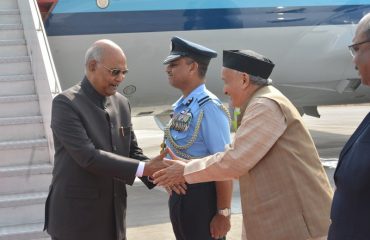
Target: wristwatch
(224, 212)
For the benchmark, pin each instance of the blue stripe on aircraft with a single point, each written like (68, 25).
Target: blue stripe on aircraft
(204, 19)
(81, 6)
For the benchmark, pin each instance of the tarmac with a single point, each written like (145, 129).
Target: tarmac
(147, 212)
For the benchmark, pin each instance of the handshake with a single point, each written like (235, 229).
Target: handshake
(165, 172)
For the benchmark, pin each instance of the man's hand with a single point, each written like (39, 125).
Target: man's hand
(180, 189)
(174, 174)
(155, 164)
(219, 226)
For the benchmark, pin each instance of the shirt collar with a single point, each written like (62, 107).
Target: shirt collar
(184, 101)
(90, 91)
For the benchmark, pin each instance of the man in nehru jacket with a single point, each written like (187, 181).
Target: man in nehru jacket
(96, 152)
(284, 190)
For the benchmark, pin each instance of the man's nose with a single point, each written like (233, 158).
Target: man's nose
(168, 69)
(354, 62)
(120, 77)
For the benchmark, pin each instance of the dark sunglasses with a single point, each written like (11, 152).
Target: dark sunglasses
(115, 71)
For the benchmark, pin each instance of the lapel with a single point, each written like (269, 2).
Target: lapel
(353, 138)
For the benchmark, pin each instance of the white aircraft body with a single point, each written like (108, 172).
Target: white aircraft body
(307, 40)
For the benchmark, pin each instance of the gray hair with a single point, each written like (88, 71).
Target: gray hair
(365, 25)
(95, 52)
(256, 80)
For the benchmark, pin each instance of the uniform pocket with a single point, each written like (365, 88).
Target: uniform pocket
(176, 135)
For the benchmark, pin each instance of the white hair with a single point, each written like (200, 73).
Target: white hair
(95, 52)
(259, 81)
(364, 25)
(256, 80)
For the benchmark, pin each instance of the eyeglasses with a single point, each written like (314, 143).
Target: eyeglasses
(354, 47)
(115, 71)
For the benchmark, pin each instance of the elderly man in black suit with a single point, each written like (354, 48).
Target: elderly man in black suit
(96, 152)
(350, 212)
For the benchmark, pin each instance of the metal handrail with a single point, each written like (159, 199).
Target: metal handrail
(40, 28)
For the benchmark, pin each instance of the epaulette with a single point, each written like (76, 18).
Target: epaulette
(203, 100)
(207, 98)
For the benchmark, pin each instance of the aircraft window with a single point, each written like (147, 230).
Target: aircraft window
(102, 3)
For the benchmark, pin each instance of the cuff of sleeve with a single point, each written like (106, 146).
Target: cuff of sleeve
(189, 170)
(140, 169)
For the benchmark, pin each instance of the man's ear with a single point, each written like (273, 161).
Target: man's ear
(92, 65)
(245, 80)
(194, 66)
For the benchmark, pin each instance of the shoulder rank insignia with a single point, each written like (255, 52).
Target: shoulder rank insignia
(203, 100)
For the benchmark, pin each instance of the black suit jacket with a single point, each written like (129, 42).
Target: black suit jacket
(350, 212)
(93, 139)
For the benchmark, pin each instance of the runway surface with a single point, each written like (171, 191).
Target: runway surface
(147, 214)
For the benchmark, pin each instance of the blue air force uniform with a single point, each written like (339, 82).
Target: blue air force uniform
(207, 133)
(200, 126)
(210, 136)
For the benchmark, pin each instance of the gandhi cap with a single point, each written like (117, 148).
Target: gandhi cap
(184, 48)
(249, 62)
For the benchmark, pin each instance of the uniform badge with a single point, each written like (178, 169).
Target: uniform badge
(181, 121)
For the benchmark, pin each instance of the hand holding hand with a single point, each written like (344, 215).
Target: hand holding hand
(155, 164)
(172, 175)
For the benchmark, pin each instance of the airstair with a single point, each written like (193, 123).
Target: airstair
(26, 70)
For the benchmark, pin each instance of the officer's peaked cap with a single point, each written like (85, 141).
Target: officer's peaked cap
(184, 48)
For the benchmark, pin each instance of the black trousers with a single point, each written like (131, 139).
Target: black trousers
(191, 214)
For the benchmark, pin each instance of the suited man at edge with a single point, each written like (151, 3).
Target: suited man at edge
(350, 212)
(284, 190)
(96, 152)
